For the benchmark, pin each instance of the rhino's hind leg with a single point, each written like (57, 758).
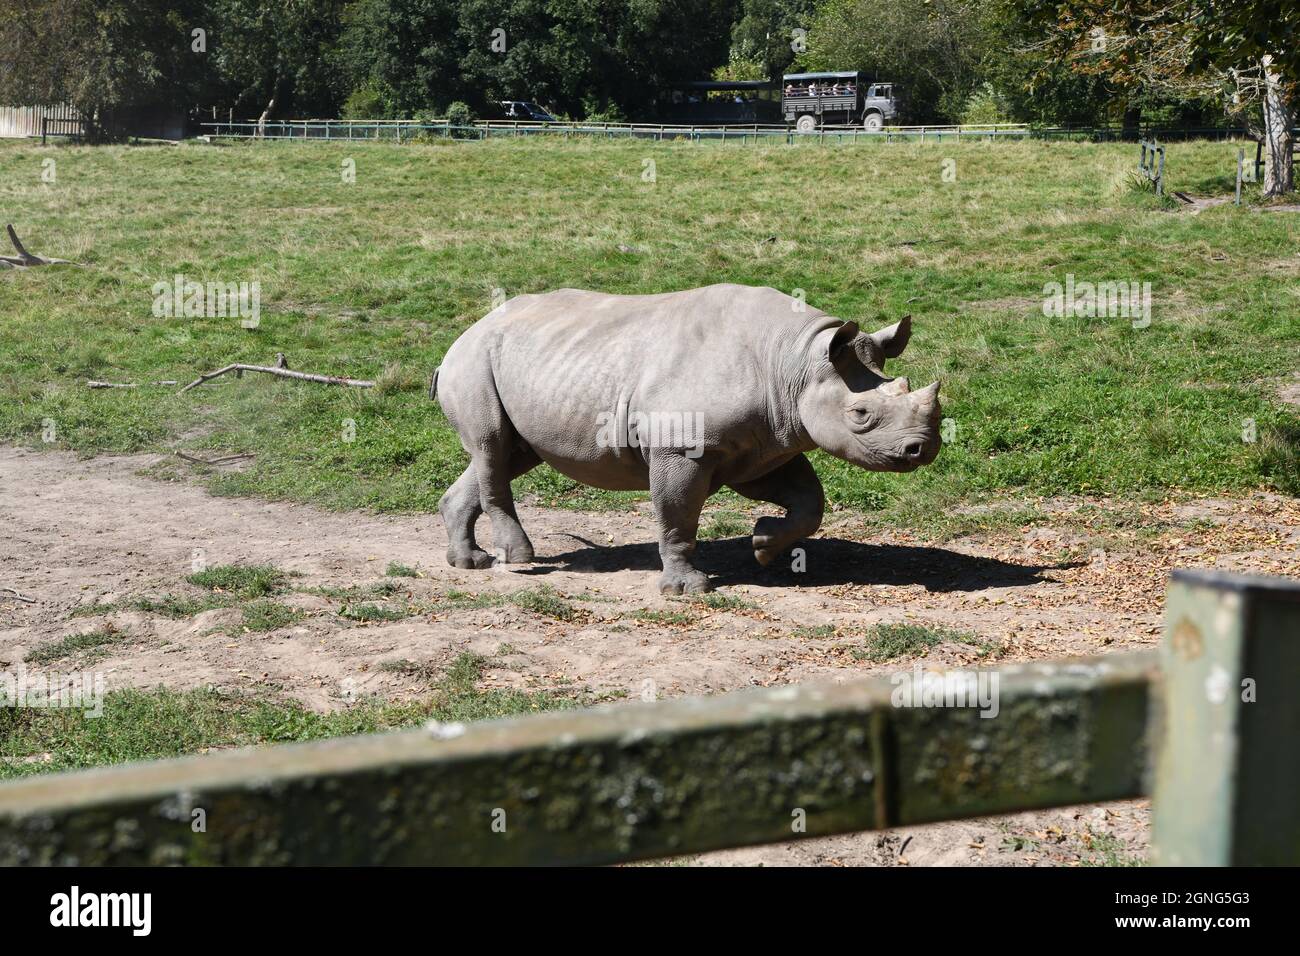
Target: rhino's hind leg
(460, 509)
(679, 487)
(495, 468)
(461, 506)
(796, 488)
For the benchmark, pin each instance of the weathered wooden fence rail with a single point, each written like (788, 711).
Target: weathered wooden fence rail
(649, 780)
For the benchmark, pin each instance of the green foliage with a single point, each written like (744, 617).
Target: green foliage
(369, 613)
(357, 277)
(931, 48)
(104, 57)
(887, 641)
(155, 724)
(242, 580)
(74, 644)
(281, 51)
(459, 114)
(546, 601)
(602, 112)
(986, 106)
(365, 102)
(763, 38)
(260, 617)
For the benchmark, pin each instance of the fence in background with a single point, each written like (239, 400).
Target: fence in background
(17, 122)
(406, 131)
(1217, 709)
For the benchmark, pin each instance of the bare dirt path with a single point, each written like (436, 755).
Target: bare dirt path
(86, 537)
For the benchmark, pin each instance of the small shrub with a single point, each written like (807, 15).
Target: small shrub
(725, 524)
(716, 601)
(243, 581)
(546, 601)
(887, 641)
(365, 102)
(366, 613)
(460, 117)
(76, 643)
(671, 618)
(263, 616)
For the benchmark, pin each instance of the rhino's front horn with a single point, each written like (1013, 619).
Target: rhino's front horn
(928, 395)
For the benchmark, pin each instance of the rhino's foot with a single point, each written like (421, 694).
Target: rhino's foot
(519, 553)
(469, 559)
(684, 581)
(768, 540)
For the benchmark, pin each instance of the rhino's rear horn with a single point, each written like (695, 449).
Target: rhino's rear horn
(895, 386)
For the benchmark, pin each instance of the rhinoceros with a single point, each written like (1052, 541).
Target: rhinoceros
(679, 393)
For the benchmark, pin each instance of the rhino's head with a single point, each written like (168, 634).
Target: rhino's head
(853, 410)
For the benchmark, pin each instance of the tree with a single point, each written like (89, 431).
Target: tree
(1243, 52)
(103, 57)
(931, 48)
(279, 53)
(764, 40)
(575, 56)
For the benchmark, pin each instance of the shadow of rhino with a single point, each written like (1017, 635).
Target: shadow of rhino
(827, 561)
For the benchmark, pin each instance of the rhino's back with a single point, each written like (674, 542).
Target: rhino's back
(709, 335)
(558, 360)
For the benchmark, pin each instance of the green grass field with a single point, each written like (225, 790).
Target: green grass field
(375, 279)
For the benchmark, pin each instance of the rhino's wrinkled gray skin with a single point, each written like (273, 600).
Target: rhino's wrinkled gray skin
(765, 379)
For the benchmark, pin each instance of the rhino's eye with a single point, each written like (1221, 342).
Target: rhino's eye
(862, 417)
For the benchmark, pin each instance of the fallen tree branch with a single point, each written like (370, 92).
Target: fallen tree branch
(282, 372)
(127, 384)
(24, 259)
(21, 597)
(225, 460)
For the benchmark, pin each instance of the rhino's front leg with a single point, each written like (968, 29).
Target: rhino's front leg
(678, 488)
(796, 488)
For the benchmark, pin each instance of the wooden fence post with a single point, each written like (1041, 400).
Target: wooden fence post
(1227, 783)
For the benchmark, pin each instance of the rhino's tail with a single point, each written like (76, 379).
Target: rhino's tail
(433, 385)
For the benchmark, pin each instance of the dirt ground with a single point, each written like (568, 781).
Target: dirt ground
(1090, 579)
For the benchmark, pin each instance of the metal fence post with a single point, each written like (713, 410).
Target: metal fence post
(1241, 160)
(1227, 781)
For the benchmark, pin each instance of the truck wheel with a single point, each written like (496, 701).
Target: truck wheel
(873, 122)
(806, 124)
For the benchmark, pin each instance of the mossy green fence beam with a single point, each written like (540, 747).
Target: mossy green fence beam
(616, 783)
(1227, 785)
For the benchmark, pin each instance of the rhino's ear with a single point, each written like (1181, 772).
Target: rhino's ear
(841, 340)
(893, 340)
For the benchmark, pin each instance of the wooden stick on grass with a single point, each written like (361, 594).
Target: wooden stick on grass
(24, 259)
(224, 460)
(283, 373)
(126, 384)
(19, 596)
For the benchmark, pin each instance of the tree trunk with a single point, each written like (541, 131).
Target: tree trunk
(261, 120)
(1279, 143)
